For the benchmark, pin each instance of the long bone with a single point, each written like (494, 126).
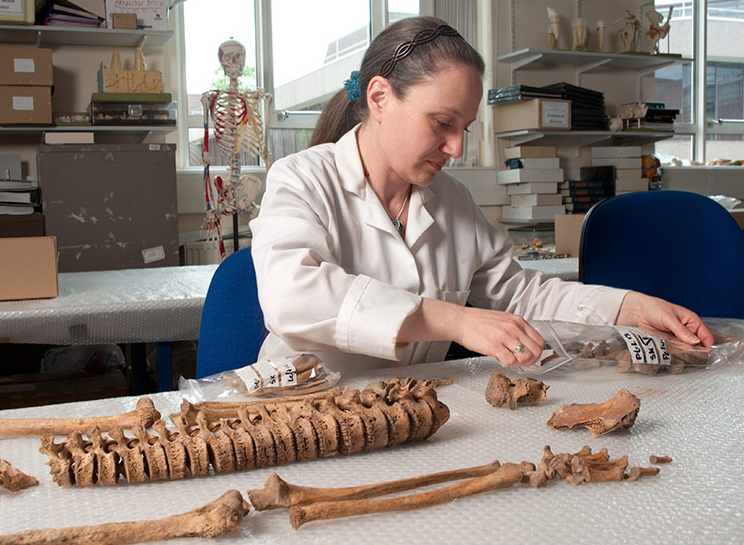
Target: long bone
(503, 477)
(216, 518)
(144, 414)
(278, 493)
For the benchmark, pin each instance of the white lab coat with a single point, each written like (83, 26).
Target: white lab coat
(336, 279)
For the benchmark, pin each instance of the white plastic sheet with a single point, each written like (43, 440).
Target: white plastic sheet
(695, 418)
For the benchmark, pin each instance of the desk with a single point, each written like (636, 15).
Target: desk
(139, 306)
(129, 306)
(694, 417)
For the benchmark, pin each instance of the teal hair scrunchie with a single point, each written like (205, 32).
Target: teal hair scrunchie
(353, 92)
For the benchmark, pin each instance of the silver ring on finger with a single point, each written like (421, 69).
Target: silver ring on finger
(518, 349)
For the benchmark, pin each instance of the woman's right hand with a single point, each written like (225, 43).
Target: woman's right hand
(506, 337)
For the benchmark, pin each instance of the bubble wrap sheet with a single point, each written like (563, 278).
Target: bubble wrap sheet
(133, 305)
(566, 268)
(696, 418)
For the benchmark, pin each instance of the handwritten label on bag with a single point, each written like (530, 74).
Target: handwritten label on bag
(268, 374)
(644, 348)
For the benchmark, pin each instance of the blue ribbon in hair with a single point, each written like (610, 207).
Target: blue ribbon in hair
(353, 92)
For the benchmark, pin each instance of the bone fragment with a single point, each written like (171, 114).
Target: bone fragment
(278, 493)
(599, 418)
(636, 473)
(504, 477)
(659, 459)
(521, 391)
(216, 518)
(144, 414)
(14, 480)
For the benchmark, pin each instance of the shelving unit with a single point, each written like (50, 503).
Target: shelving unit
(589, 61)
(142, 130)
(583, 138)
(41, 35)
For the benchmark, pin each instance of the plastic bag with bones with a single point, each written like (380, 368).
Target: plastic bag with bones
(238, 126)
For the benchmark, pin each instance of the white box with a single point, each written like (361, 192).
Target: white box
(531, 213)
(627, 185)
(151, 14)
(617, 162)
(540, 162)
(616, 151)
(532, 187)
(520, 175)
(519, 152)
(537, 199)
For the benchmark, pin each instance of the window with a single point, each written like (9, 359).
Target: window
(711, 120)
(303, 58)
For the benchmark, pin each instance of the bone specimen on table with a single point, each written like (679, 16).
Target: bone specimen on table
(599, 418)
(13, 479)
(216, 518)
(251, 435)
(309, 375)
(307, 503)
(144, 414)
(659, 459)
(521, 391)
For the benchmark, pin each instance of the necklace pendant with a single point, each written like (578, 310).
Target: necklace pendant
(398, 226)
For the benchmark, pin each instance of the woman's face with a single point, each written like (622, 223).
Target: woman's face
(421, 132)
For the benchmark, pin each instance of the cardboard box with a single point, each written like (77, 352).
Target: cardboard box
(568, 233)
(538, 113)
(738, 216)
(151, 14)
(124, 21)
(25, 65)
(25, 105)
(28, 268)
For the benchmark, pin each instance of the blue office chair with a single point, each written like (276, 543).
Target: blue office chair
(232, 326)
(680, 246)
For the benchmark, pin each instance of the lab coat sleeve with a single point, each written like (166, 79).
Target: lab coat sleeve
(307, 298)
(501, 283)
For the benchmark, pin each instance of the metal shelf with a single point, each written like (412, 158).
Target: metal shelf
(583, 138)
(30, 130)
(589, 61)
(42, 35)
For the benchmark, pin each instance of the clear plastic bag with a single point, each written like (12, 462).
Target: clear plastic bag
(580, 346)
(278, 377)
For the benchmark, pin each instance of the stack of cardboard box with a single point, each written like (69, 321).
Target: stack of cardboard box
(25, 85)
(627, 162)
(531, 181)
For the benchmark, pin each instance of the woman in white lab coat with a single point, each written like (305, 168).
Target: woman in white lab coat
(366, 252)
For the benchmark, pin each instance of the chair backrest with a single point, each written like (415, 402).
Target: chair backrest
(680, 246)
(232, 326)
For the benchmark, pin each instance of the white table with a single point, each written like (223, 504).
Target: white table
(694, 417)
(129, 306)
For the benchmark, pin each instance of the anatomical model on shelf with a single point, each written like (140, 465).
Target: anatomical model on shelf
(554, 30)
(129, 80)
(600, 35)
(658, 29)
(239, 126)
(629, 34)
(580, 37)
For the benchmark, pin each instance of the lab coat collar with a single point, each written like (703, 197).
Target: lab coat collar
(351, 178)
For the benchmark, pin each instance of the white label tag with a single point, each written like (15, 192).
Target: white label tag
(555, 114)
(287, 374)
(154, 147)
(13, 7)
(250, 378)
(269, 373)
(24, 65)
(24, 104)
(153, 254)
(645, 349)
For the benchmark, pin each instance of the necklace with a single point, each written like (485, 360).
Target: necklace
(396, 222)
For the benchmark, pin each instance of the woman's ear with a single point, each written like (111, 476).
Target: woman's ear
(378, 92)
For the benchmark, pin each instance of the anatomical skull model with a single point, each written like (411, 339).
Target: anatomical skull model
(238, 126)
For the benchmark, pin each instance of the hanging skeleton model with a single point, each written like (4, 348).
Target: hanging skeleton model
(239, 126)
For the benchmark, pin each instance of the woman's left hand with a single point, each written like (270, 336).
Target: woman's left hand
(654, 314)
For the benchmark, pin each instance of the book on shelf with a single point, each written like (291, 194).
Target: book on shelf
(29, 196)
(12, 185)
(534, 163)
(19, 208)
(523, 152)
(537, 199)
(519, 175)
(69, 137)
(532, 187)
(67, 13)
(531, 213)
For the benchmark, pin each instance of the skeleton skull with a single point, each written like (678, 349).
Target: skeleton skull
(232, 58)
